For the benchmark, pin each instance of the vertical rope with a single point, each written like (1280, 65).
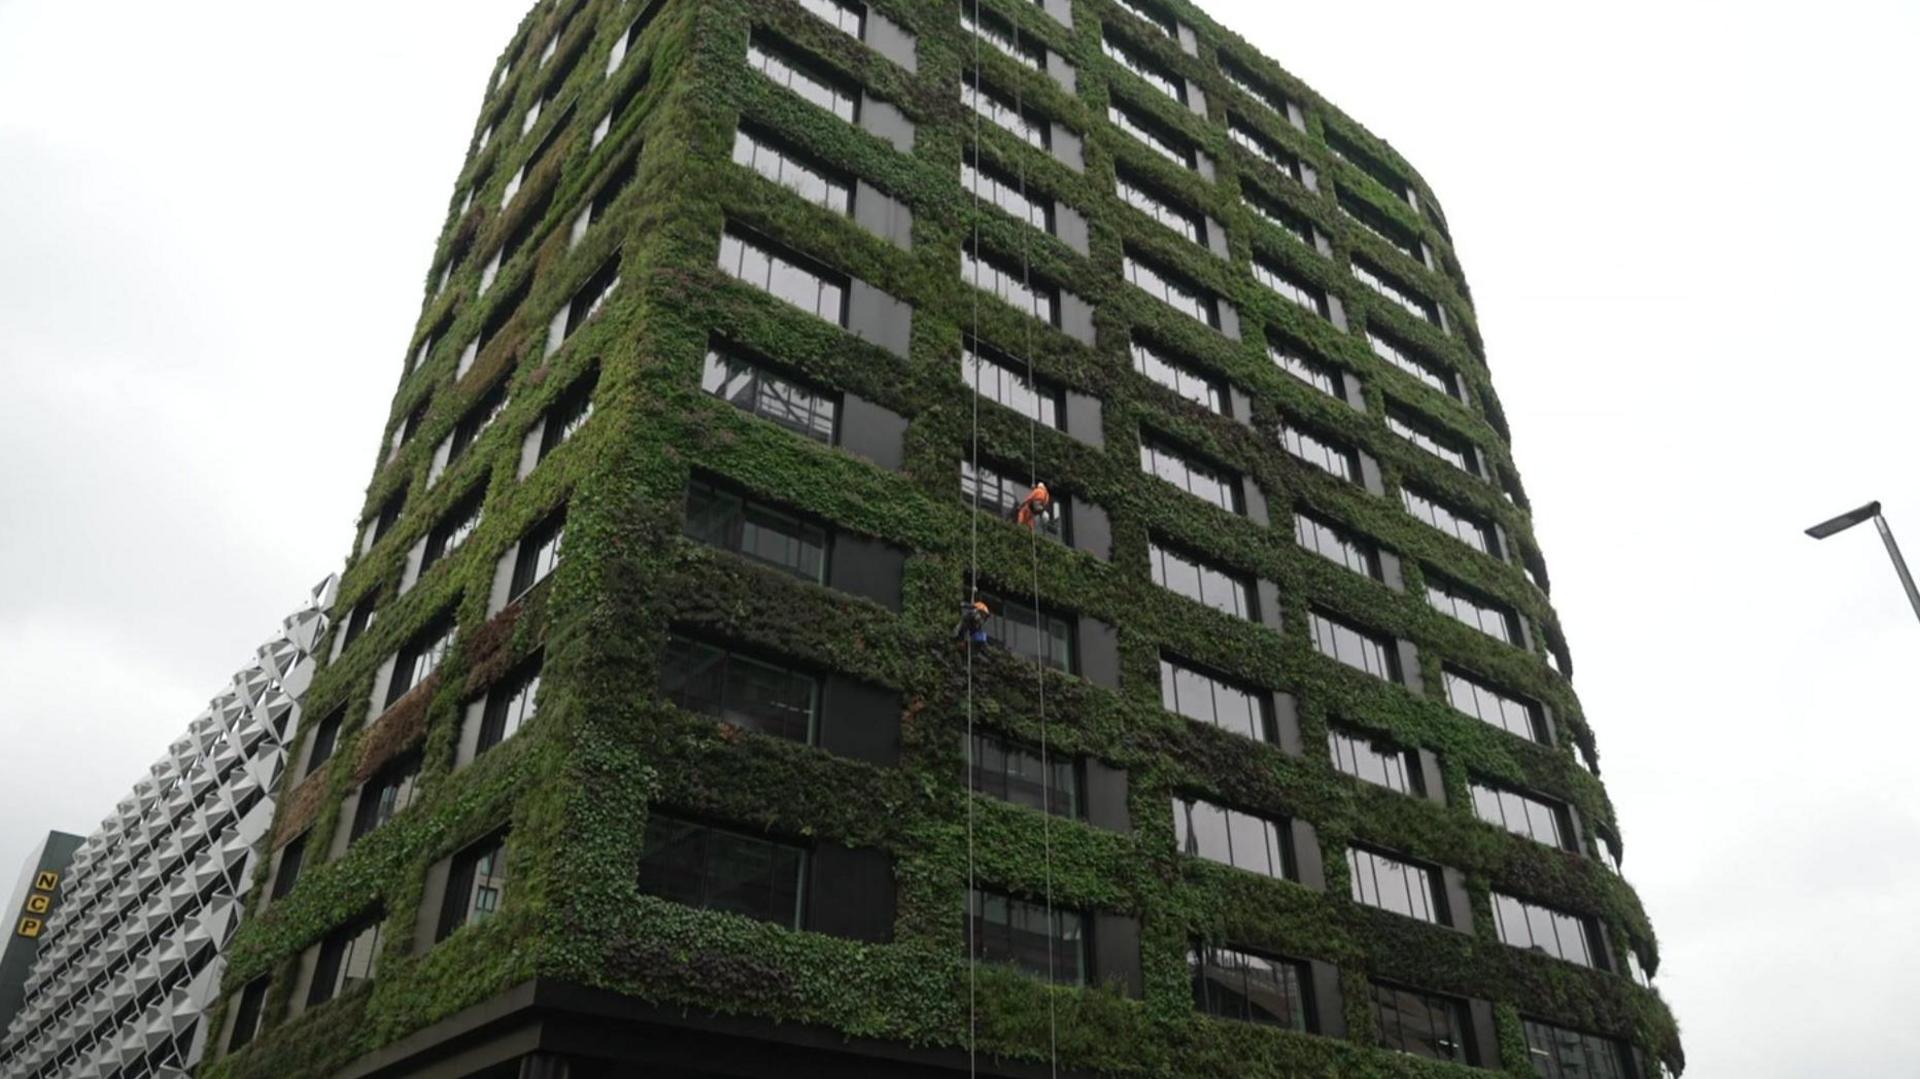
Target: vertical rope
(973, 582)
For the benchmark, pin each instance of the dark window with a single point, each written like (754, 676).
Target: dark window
(385, 793)
(324, 738)
(404, 432)
(1255, 87)
(1373, 220)
(617, 111)
(1375, 760)
(845, 17)
(1010, 284)
(1185, 575)
(498, 316)
(1202, 389)
(1191, 300)
(1536, 928)
(1511, 714)
(1280, 215)
(1036, 635)
(1559, 1053)
(433, 337)
(995, 185)
(539, 554)
(454, 529)
(604, 198)
(1462, 604)
(1025, 124)
(1329, 455)
(1026, 935)
(382, 521)
(476, 421)
(1252, 988)
(292, 857)
(1347, 149)
(1144, 69)
(757, 391)
(994, 376)
(358, 620)
(626, 41)
(740, 689)
(568, 414)
(1243, 134)
(1355, 648)
(707, 867)
(586, 303)
(1215, 701)
(510, 704)
(1291, 287)
(1000, 494)
(421, 657)
(246, 1016)
(348, 958)
(1386, 882)
(1202, 480)
(1003, 35)
(785, 276)
(785, 67)
(732, 522)
(1154, 16)
(1458, 523)
(1426, 435)
(1536, 818)
(1231, 837)
(1423, 1024)
(1315, 372)
(793, 169)
(475, 882)
(1155, 135)
(1336, 545)
(1015, 773)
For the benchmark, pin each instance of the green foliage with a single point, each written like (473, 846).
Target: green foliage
(578, 784)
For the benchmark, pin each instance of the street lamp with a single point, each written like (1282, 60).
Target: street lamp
(1854, 517)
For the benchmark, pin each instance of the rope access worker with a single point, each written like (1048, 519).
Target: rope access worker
(1037, 504)
(973, 623)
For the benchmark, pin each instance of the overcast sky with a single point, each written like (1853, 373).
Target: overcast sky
(1690, 233)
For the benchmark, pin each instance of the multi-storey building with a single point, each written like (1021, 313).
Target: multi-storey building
(34, 900)
(139, 916)
(751, 321)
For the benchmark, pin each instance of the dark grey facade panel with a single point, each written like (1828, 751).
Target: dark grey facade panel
(1255, 501)
(1486, 1037)
(1076, 318)
(1390, 572)
(883, 215)
(1092, 532)
(1107, 797)
(1116, 952)
(887, 38)
(883, 119)
(1217, 238)
(1459, 901)
(851, 893)
(860, 721)
(1083, 419)
(871, 431)
(1409, 659)
(867, 568)
(1307, 864)
(1286, 724)
(1070, 225)
(879, 319)
(1229, 320)
(1329, 1004)
(1061, 10)
(1099, 648)
(1370, 475)
(1268, 603)
(1063, 73)
(1431, 779)
(1068, 148)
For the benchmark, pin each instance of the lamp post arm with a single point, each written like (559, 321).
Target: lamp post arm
(1899, 563)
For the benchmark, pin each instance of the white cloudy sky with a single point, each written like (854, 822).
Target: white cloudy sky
(1690, 231)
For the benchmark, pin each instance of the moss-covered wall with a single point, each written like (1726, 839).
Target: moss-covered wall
(578, 783)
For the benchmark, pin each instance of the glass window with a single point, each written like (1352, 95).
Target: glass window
(758, 392)
(1156, 138)
(1458, 523)
(788, 168)
(1210, 699)
(421, 657)
(1002, 35)
(386, 793)
(991, 376)
(803, 78)
(247, 1013)
(997, 493)
(1419, 433)
(325, 736)
(603, 199)
(1154, 17)
(1050, 944)
(381, 522)
(1142, 68)
(1181, 379)
(742, 690)
(454, 529)
(626, 41)
(1280, 215)
(1253, 87)
(293, 857)
(617, 112)
(1014, 773)
(1481, 613)
(1374, 760)
(995, 186)
(1317, 373)
(1184, 575)
(1140, 195)
(1424, 1024)
(348, 958)
(477, 421)
(1362, 651)
(707, 867)
(1290, 288)
(1393, 885)
(586, 303)
(1336, 545)
(1230, 837)
(1489, 705)
(1024, 124)
(1396, 293)
(1364, 214)
(770, 271)
(1322, 453)
(1559, 1053)
(1253, 988)
(1206, 482)
(1262, 147)
(539, 554)
(475, 882)
(733, 522)
(510, 705)
(1523, 815)
(1348, 150)
(568, 414)
(1537, 928)
(1013, 286)
(1189, 299)
(844, 17)
(1040, 636)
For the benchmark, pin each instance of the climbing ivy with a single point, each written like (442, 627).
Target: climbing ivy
(577, 785)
